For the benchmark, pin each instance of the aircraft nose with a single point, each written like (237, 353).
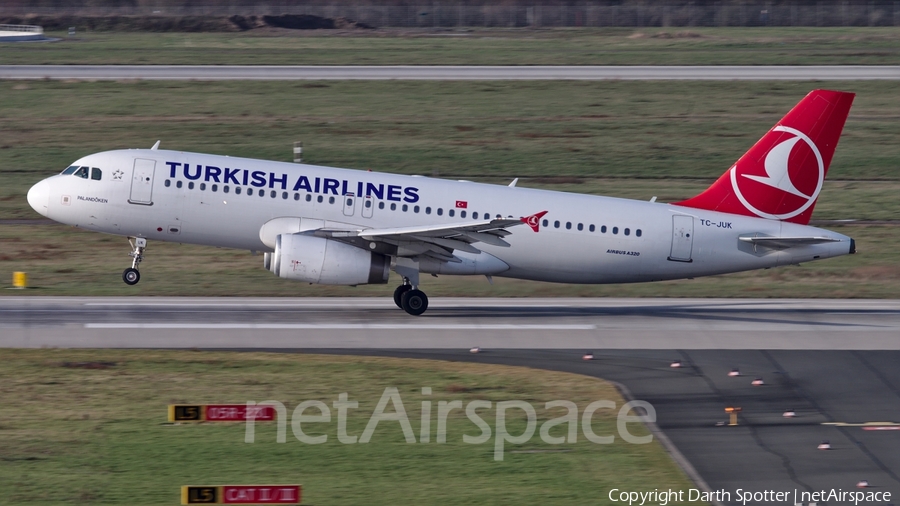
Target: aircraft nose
(39, 197)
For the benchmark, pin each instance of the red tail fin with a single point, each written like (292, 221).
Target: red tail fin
(781, 176)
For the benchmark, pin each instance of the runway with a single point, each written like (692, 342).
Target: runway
(450, 323)
(833, 393)
(832, 362)
(451, 73)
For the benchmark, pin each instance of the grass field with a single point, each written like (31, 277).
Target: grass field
(87, 433)
(636, 140)
(611, 46)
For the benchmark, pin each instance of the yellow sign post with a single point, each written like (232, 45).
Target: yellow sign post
(733, 415)
(20, 280)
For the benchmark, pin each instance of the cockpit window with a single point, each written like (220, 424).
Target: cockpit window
(96, 174)
(70, 169)
(82, 172)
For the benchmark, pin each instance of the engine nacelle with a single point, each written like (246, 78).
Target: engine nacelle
(313, 259)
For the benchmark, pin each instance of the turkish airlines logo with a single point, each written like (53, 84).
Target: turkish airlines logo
(795, 183)
(534, 221)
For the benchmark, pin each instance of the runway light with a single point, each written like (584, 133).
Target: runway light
(824, 445)
(789, 414)
(475, 350)
(733, 373)
(732, 415)
(588, 356)
(758, 382)
(676, 364)
(862, 484)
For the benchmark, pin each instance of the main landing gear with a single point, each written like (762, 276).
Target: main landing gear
(131, 275)
(410, 299)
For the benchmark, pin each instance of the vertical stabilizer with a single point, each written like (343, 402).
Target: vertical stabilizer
(781, 176)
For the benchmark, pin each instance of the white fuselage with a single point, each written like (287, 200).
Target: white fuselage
(582, 238)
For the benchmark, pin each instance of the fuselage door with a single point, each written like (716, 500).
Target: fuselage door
(368, 206)
(682, 238)
(349, 204)
(142, 182)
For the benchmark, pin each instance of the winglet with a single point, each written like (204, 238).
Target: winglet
(513, 184)
(155, 146)
(534, 221)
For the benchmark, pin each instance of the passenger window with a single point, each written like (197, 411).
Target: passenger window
(225, 188)
(580, 226)
(603, 229)
(82, 172)
(627, 231)
(349, 202)
(462, 214)
(202, 186)
(440, 211)
(451, 213)
(331, 200)
(368, 204)
(308, 197)
(615, 230)
(96, 174)
(168, 183)
(556, 224)
(273, 193)
(546, 223)
(70, 170)
(591, 228)
(637, 232)
(319, 199)
(427, 210)
(393, 207)
(215, 187)
(296, 196)
(415, 209)
(178, 184)
(474, 216)
(381, 205)
(405, 207)
(191, 186)
(284, 195)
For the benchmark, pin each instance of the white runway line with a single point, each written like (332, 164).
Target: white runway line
(332, 326)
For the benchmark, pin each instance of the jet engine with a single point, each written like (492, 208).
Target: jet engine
(314, 259)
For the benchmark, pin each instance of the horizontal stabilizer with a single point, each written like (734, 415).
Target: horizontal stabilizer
(785, 242)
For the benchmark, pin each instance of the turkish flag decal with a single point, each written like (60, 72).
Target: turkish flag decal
(462, 204)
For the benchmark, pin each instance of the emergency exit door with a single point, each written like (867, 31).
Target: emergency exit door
(682, 238)
(142, 182)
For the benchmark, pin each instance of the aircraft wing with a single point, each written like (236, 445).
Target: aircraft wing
(436, 241)
(785, 242)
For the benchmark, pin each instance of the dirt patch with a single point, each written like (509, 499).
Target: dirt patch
(183, 23)
(310, 22)
(88, 365)
(676, 35)
(557, 180)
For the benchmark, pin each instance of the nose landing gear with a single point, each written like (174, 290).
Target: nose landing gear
(131, 275)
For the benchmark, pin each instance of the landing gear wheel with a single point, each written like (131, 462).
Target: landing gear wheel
(131, 276)
(398, 293)
(414, 302)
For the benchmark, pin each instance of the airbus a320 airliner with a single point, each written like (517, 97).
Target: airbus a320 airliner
(349, 227)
